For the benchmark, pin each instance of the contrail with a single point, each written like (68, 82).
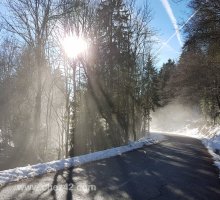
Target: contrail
(175, 33)
(165, 44)
(173, 19)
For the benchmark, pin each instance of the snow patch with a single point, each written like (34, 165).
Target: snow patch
(30, 171)
(212, 143)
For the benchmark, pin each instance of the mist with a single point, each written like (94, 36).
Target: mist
(174, 117)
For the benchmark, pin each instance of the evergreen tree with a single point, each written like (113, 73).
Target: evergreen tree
(115, 65)
(165, 89)
(150, 97)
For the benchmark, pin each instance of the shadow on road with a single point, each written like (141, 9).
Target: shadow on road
(179, 168)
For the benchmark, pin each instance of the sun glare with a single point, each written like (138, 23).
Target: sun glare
(73, 46)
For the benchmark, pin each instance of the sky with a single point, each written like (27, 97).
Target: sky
(167, 19)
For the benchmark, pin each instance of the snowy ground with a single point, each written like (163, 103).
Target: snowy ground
(19, 173)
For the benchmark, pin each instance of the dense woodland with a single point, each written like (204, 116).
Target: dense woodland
(53, 106)
(196, 79)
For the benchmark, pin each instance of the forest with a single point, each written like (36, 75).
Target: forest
(54, 104)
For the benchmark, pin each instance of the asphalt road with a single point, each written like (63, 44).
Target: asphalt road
(178, 168)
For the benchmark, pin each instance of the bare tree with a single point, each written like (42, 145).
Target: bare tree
(29, 20)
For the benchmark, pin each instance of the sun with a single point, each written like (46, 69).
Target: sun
(73, 46)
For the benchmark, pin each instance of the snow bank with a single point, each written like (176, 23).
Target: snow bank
(19, 173)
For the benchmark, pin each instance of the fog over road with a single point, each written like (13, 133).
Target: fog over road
(178, 168)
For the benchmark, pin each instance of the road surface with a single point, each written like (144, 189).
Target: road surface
(178, 168)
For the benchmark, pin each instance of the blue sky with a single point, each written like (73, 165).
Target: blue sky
(162, 22)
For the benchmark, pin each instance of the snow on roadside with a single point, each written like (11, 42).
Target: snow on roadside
(212, 142)
(29, 171)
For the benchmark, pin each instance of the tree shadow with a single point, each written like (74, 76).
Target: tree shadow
(177, 169)
(55, 183)
(70, 184)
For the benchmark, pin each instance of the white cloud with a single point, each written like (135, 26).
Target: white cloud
(173, 19)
